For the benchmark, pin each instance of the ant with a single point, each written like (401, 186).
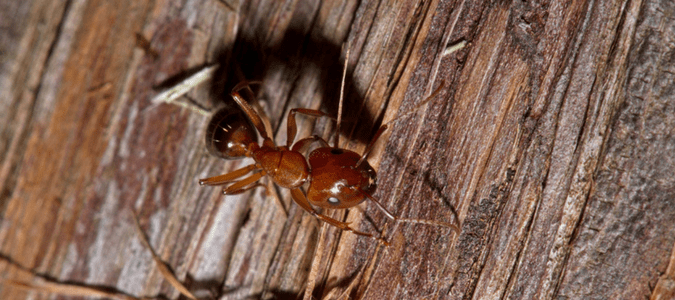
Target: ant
(337, 178)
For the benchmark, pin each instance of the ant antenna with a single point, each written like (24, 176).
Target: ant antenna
(389, 215)
(398, 117)
(342, 97)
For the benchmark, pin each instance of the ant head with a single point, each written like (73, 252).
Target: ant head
(337, 181)
(229, 133)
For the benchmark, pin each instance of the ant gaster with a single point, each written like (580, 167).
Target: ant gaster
(337, 178)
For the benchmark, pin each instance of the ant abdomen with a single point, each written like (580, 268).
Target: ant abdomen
(338, 180)
(229, 133)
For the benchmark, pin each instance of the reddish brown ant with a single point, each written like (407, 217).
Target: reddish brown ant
(337, 178)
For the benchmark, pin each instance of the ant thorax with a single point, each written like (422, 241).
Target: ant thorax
(287, 168)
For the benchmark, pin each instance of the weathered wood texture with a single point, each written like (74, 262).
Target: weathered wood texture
(553, 138)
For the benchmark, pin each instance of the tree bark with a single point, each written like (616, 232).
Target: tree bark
(552, 140)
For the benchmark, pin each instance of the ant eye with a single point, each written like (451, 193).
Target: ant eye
(333, 200)
(336, 151)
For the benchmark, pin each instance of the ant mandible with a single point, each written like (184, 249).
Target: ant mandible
(338, 178)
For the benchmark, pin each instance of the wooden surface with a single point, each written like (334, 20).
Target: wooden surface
(553, 138)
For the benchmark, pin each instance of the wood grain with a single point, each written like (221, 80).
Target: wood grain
(553, 139)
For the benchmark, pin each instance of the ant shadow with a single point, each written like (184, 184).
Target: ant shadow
(298, 54)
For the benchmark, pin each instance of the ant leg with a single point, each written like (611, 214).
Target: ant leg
(300, 198)
(416, 221)
(232, 190)
(303, 144)
(244, 184)
(249, 111)
(372, 143)
(229, 177)
(271, 192)
(245, 87)
(292, 128)
(244, 189)
(244, 84)
(386, 125)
